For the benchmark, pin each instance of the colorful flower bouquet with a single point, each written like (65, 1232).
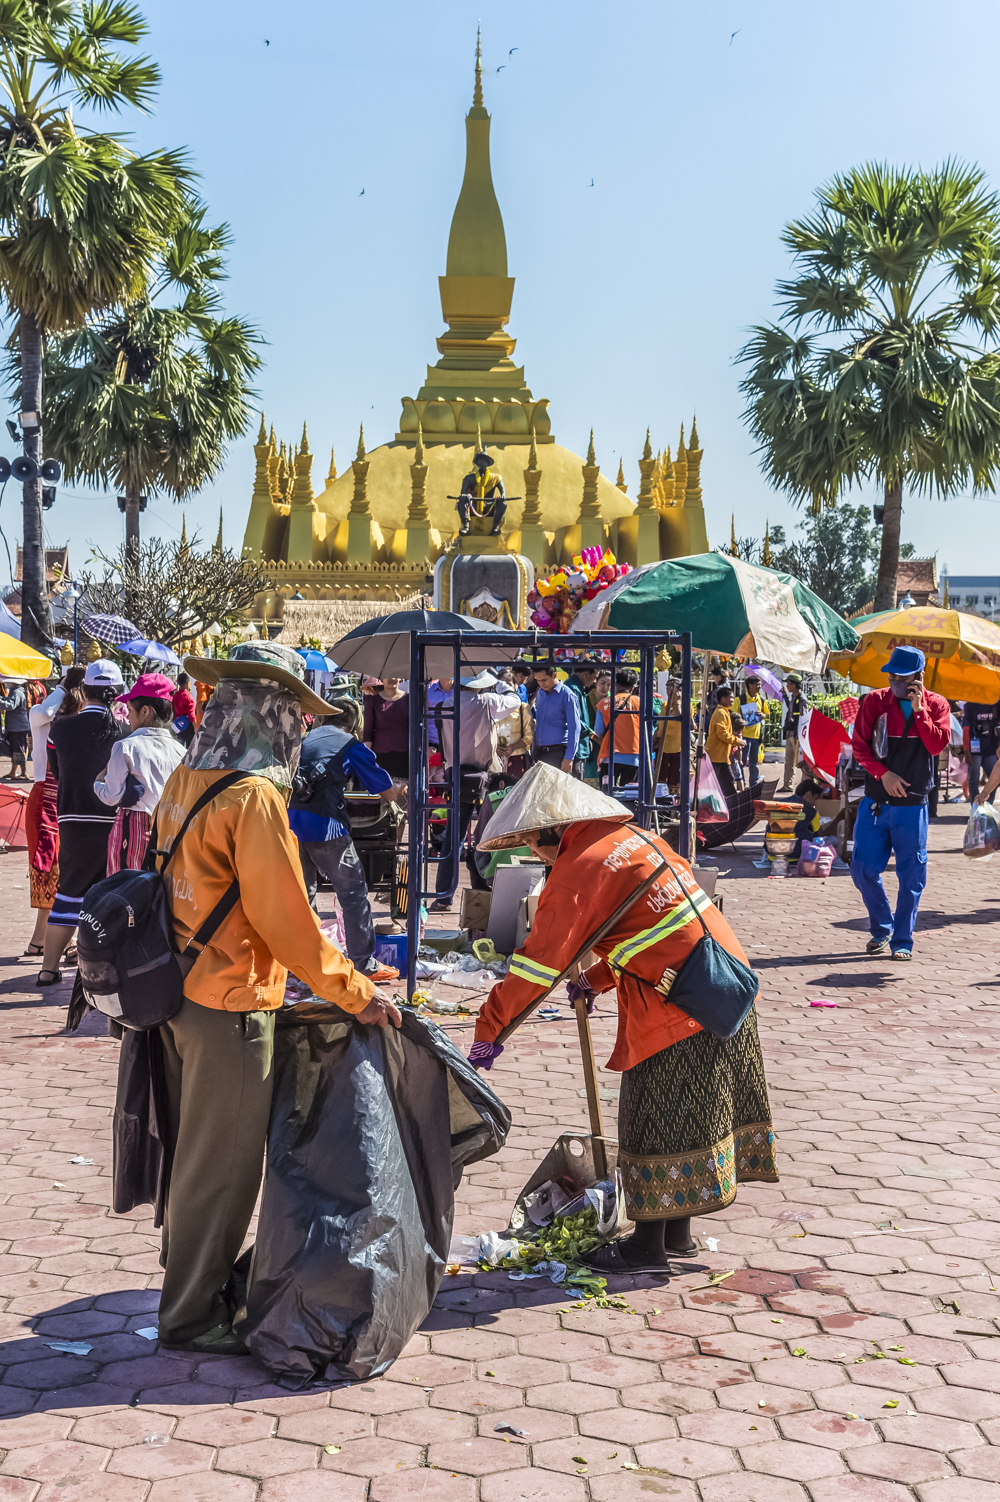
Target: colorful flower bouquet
(555, 601)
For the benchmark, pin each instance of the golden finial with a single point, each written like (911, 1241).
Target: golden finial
(262, 435)
(734, 551)
(591, 456)
(532, 452)
(304, 446)
(333, 468)
(361, 444)
(218, 540)
(945, 601)
(680, 441)
(693, 440)
(418, 453)
(477, 93)
(647, 452)
(184, 530)
(271, 439)
(479, 438)
(765, 557)
(620, 482)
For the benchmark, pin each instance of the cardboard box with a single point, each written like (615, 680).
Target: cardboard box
(475, 909)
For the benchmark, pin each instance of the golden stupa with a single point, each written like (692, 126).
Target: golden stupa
(377, 530)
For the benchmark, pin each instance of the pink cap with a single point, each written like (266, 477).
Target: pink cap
(150, 686)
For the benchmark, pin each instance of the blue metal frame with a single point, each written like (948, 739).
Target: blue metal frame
(647, 643)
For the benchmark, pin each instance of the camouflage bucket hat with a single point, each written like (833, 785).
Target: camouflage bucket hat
(269, 661)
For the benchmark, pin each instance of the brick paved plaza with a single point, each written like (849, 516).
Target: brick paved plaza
(853, 1356)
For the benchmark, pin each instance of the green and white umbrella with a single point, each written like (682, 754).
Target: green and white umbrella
(729, 606)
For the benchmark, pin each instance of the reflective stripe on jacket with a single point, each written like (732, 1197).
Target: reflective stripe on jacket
(598, 864)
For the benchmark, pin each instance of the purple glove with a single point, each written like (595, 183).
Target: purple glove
(481, 1055)
(577, 990)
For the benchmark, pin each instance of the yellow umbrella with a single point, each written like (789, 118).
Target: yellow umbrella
(19, 661)
(962, 651)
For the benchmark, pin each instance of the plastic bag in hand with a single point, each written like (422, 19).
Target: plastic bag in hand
(982, 833)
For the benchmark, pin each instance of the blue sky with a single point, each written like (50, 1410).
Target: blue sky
(633, 296)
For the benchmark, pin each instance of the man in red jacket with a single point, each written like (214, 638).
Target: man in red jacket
(898, 734)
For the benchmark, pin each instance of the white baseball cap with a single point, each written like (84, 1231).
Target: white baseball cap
(103, 674)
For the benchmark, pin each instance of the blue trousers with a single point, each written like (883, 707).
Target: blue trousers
(898, 831)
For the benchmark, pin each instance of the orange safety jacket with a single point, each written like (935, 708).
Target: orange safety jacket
(598, 864)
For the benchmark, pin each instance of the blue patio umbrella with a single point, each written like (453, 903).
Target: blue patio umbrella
(316, 662)
(154, 651)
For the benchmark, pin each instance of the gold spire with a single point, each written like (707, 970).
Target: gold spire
(359, 504)
(332, 473)
(479, 438)
(945, 599)
(272, 467)
(734, 548)
(680, 471)
(184, 532)
(590, 506)
(418, 515)
(477, 92)
(647, 466)
(218, 540)
(262, 435)
(766, 556)
(300, 490)
(620, 482)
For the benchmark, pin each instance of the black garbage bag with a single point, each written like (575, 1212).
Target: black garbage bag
(370, 1131)
(140, 1127)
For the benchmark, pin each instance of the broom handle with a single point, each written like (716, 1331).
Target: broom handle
(593, 1090)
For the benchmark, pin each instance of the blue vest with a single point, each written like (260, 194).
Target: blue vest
(321, 766)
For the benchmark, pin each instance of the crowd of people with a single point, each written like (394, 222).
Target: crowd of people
(116, 768)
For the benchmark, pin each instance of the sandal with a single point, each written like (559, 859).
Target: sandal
(55, 976)
(610, 1259)
(35, 950)
(71, 957)
(901, 954)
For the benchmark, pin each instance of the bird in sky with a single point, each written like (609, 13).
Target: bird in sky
(512, 51)
(266, 42)
(735, 34)
(591, 182)
(501, 67)
(362, 193)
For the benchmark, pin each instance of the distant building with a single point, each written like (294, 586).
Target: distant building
(974, 592)
(57, 576)
(917, 577)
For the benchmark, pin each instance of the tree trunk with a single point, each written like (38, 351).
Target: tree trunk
(132, 520)
(888, 564)
(36, 620)
(131, 544)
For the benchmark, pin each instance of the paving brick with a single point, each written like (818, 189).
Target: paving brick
(152, 1461)
(424, 1486)
(54, 1461)
(795, 1462)
(902, 1463)
(205, 1486)
(368, 1457)
(227, 1426)
(308, 1486)
(750, 1488)
(625, 1426)
(830, 1430)
(538, 1486)
(858, 1489)
(266, 1457)
(477, 1397)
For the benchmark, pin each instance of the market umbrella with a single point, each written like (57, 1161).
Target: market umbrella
(113, 629)
(962, 651)
(822, 740)
(155, 651)
(316, 662)
(729, 607)
(20, 661)
(381, 646)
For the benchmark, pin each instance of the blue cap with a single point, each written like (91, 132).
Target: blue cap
(905, 660)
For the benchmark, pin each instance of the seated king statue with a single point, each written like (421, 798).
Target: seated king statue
(482, 495)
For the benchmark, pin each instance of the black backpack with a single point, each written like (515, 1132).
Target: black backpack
(129, 967)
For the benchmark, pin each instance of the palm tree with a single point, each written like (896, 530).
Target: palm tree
(884, 365)
(147, 398)
(81, 216)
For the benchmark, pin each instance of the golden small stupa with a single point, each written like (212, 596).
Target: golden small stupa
(376, 530)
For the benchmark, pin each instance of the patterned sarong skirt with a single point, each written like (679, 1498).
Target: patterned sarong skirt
(693, 1122)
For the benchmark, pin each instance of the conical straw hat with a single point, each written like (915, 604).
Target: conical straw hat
(544, 797)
